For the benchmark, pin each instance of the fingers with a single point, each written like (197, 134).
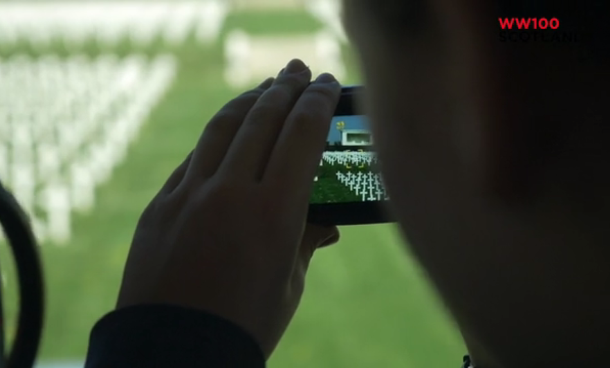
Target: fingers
(176, 177)
(249, 153)
(219, 133)
(299, 148)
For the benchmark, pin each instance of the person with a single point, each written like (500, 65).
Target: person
(494, 155)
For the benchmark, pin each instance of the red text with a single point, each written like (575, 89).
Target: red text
(528, 23)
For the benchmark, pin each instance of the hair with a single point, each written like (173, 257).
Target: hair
(587, 19)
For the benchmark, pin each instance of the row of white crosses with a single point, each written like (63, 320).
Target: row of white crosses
(64, 126)
(366, 185)
(347, 159)
(250, 59)
(350, 159)
(110, 22)
(328, 12)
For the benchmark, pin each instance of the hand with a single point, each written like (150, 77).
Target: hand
(227, 233)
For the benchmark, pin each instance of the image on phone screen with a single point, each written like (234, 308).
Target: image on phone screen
(348, 170)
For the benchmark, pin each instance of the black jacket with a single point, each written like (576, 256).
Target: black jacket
(154, 336)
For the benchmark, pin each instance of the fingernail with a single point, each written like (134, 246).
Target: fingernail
(326, 78)
(295, 66)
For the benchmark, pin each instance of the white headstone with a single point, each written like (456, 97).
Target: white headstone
(4, 163)
(22, 142)
(39, 228)
(48, 160)
(57, 200)
(24, 186)
(82, 188)
(211, 18)
(181, 21)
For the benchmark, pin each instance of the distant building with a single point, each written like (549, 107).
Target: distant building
(356, 137)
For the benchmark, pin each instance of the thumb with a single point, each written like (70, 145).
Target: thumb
(332, 238)
(315, 237)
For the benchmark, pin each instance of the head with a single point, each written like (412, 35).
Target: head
(495, 156)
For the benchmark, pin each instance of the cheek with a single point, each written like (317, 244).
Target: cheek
(394, 152)
(395, 158)
(406, 105)
(383, 103)
(403, 143)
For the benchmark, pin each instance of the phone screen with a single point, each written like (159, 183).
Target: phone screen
(348, 170)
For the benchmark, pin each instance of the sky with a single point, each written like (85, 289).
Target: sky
(351, 122)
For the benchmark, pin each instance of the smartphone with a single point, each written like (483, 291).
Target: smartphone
(348, 187)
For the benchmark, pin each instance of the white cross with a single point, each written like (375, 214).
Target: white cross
(380, 194)
(57, 200)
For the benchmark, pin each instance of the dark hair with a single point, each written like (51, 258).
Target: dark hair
(585, 18)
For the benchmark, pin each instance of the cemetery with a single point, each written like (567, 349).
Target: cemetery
(65, 124)
(75, 23)
(348, 177)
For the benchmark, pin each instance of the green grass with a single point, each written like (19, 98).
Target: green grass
(366, 303)
(283, 22)
(328, 189)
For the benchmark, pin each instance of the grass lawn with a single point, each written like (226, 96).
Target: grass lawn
(366, 303)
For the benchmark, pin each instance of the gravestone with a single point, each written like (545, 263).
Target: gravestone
(265, 5)
(251, 59)
(43, 150)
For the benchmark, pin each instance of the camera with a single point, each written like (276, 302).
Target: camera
(348, 188)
